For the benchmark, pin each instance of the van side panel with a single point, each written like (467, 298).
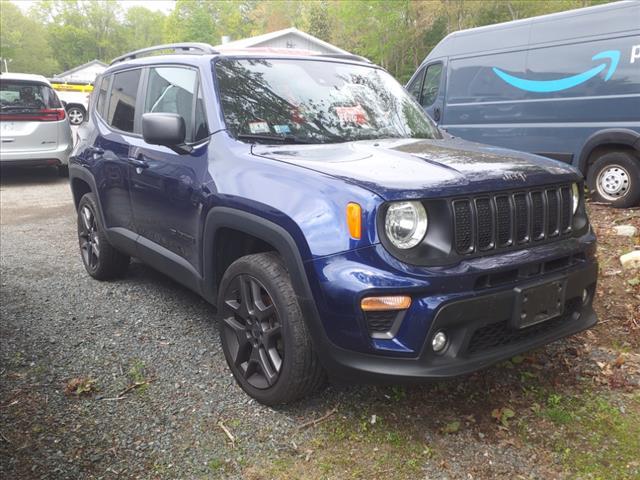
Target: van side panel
(548, 99)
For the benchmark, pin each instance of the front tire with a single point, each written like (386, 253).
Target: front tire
(263, 333)
(614, 178)
(101, 260)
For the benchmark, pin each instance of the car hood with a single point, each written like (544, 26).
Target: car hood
(408, 168)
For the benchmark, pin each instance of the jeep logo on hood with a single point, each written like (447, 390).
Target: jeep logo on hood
(514, 176)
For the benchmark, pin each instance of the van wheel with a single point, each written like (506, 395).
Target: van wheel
(101, 260)
(614, 178)
(264, 337)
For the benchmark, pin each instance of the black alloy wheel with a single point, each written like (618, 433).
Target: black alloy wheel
(101, 260)
(252, 331)
(264, 335)
(88, 236)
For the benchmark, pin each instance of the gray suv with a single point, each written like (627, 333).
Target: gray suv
(34, 129)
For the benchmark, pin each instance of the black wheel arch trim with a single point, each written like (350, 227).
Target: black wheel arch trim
(283, 242)
(121, 238)
(621, 136)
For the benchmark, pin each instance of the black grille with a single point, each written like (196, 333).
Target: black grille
(463, 222)
(380, 322)
(500, 334)
(485, 223)
(537, 216)
(503, 220)
(522, 217)
(499, 221)
(552, 213)
(566, 208)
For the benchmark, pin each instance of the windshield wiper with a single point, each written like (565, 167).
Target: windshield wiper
(266, 137)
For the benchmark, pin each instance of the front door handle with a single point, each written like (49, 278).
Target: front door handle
(138, 163)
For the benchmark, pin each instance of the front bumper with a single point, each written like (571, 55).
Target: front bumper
(473, 302)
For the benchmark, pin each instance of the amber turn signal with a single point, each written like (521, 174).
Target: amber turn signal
(392, 302)
(354, 220)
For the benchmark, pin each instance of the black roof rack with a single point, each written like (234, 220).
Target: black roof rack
(191, 47)
(347, 56)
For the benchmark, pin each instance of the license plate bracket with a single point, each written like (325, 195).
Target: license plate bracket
(538, 303)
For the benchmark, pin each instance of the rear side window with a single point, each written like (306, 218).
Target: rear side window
(16, 96)
(122, 103)
(171, 90)
(431, 84)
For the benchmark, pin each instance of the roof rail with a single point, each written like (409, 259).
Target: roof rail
(347, 56)
(191, 47)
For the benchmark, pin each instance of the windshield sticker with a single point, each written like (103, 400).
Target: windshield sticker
(355, 114)
(259, 127)
(282, 128)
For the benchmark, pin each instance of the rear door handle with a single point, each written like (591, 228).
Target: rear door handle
(95, 150)
(138, 163)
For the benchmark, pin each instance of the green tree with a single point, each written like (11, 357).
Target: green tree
(82, 31)
(23, 43)
(205, 21)
(142, 28)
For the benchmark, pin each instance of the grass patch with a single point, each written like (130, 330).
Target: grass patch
(137, 375)
(595, 437)
(352, 448)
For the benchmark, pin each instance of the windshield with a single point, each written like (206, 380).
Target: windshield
(308, 101)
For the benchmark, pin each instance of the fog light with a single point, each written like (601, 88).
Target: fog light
(439, 341)
(585, 296)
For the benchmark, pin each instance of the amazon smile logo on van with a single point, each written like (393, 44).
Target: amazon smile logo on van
(566, 83)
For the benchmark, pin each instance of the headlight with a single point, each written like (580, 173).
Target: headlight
(406, 224)
(575, 196)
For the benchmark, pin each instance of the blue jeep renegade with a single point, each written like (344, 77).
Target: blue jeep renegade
(335, 228)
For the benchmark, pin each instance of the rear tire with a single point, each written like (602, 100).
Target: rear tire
(263, 333)
(101, 260)
(614, 178)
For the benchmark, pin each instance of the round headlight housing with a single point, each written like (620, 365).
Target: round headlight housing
(406, 224)
(575, 197)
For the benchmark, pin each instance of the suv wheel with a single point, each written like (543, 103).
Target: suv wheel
(264, 336)
(614, 178)
(76, 115)
(101, 260)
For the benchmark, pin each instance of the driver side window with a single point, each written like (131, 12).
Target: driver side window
(170, 90)
(431, 84)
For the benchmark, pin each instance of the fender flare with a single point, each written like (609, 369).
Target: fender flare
(274, 234)
(76, 171)
(621, 136)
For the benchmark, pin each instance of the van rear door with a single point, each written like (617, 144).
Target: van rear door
(29, 116)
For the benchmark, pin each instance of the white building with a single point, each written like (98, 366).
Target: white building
(287, 38)
(85, 73)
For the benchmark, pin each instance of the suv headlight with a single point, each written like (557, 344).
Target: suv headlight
(406, 224)
(575, 197)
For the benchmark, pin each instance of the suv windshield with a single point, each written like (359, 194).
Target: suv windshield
(16, 95)
(309, 101)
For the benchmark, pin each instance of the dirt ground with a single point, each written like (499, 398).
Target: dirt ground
(127, 380)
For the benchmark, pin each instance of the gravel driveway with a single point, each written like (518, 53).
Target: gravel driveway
(158, 399)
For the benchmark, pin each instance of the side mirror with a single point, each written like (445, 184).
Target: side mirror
(166, 129)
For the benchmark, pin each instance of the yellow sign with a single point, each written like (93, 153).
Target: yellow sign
(69, 87)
